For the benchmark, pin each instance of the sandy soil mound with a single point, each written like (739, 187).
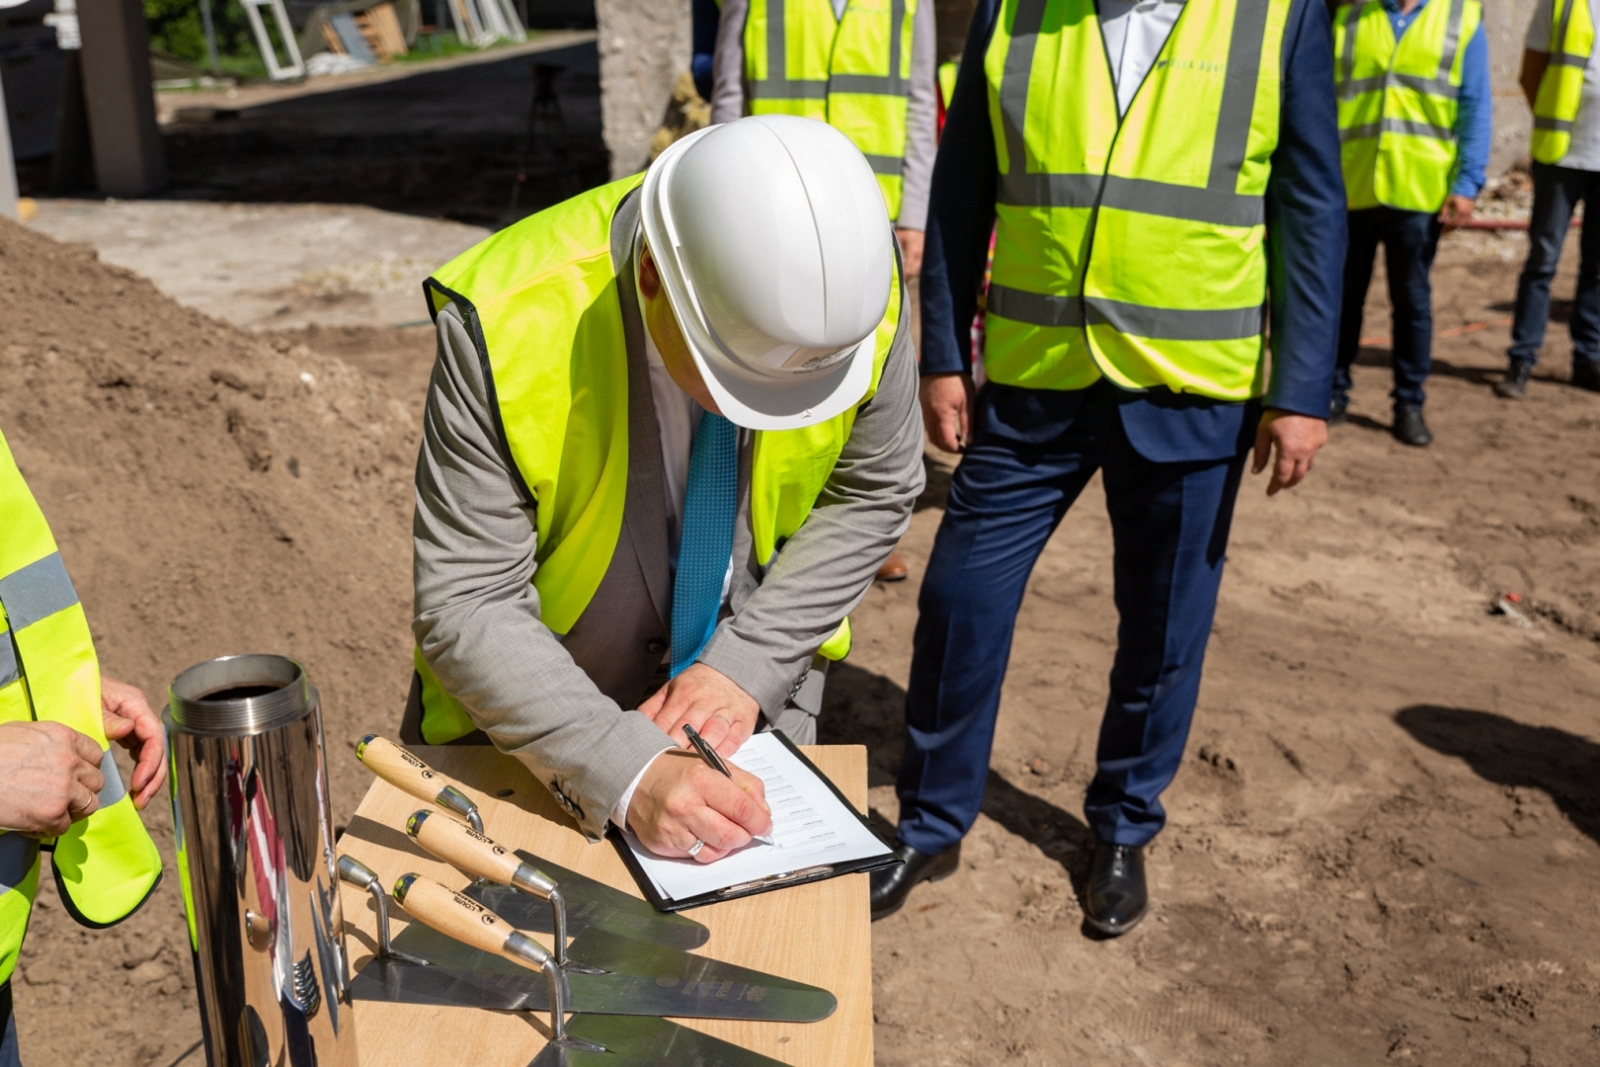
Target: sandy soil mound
(213, 492)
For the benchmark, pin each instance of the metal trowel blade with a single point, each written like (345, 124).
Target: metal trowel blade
(589, 904)
(636, 1042)
(640, 979)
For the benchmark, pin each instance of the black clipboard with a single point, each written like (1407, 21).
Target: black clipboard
(765, 885)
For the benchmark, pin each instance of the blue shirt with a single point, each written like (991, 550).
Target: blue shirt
(1473, 106)
(1305, 206)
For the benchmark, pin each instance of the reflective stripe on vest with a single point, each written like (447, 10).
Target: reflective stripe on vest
(852, 72)
(1397, 102)
(1555, 106)
(1132, 248)
(106, 865)
(541, 302)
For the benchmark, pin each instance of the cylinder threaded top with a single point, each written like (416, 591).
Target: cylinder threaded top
(239, 695)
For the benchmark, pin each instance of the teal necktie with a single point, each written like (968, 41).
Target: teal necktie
(706, 546)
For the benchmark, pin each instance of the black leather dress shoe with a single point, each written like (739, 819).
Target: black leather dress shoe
(1339, 413)
(1586, 376)
(1116, 898)
(1515, 383)
(892, 885)
(1409, 429)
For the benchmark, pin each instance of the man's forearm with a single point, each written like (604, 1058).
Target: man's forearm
(477, 615)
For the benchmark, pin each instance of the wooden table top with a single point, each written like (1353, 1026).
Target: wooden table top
(818, 933)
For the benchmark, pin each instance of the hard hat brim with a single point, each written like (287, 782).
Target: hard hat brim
(746, 398)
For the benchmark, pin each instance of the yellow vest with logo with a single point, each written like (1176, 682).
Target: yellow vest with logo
(852, 73)
(542, 303)
(1555, 106)
(106, 866)
(1132, 249)
(1397, 102)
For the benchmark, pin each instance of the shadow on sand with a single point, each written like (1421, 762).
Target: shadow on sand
(1506, 752)
(862, 708)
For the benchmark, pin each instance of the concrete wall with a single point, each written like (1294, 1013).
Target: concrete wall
(644, 46)
(1506, 23)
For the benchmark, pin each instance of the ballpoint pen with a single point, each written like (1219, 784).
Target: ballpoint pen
(714, 761)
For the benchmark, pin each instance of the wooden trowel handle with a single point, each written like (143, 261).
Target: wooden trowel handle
(476, 854)
(406, 772)
(459, 916)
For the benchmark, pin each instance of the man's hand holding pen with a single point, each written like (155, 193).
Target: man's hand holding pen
(686, 805)
(681, 800)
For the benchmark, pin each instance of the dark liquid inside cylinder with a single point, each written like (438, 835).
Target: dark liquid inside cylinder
(242, 692)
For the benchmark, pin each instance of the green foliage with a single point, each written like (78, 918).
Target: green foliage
(176, 29)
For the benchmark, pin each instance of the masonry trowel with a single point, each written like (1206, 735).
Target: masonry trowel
(605, 973)
(589, 903)
(584, 1039)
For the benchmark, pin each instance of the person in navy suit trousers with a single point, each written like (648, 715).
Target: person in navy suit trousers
(1166, 184)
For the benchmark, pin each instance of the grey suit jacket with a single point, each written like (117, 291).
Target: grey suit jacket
(564, 705)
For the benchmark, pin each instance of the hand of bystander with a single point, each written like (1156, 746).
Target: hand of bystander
(1296, 438)
(130, 723)
(910, 250)
(1457, 211)
(947, 410)
(49, 777)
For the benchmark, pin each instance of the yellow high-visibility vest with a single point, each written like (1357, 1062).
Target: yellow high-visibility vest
(1397, 102)
(541, 300)
(1132, 248)
(851, 72)
(1555, 106)
(105, 866)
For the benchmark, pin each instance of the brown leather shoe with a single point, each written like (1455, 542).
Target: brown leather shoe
(893, 569)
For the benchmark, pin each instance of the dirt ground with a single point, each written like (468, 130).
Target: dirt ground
(1384, 844)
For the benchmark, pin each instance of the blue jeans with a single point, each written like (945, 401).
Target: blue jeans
(8, 1030)
(1409, 240)
(1556, 191)
(1169, 527)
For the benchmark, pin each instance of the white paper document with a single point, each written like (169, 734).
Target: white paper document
(811, 827)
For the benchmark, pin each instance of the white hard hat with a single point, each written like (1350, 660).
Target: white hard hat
(775, 250)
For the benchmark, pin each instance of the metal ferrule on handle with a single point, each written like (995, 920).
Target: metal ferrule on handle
(471, 923)
(403, 770)
(525, 950)
(480, 856)
(530, 879)
(452, 799)
(361, 876)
